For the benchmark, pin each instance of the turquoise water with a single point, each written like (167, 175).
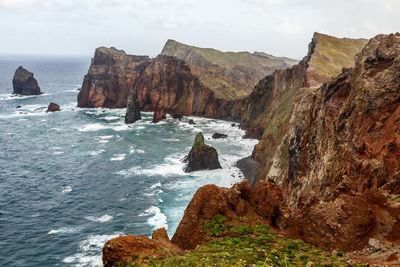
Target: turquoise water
(71, 180)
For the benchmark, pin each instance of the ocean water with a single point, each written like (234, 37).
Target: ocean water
(71, 180)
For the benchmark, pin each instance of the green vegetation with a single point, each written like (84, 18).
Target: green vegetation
(245, 245)
(198, 142)
(332, 54)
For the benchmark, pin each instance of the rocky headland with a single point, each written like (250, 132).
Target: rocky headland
(24, 83)
(329, 151)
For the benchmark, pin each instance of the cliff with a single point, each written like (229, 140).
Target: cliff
(111, 75)
(212, 75)
(230, 75)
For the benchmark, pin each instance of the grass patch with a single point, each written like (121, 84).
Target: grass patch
(245, 245)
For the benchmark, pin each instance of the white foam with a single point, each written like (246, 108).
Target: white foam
(102, 219)
(65, 230)
(103, 141)
(92, 127)
(170, 140)
(90, 251)
(95, 153)
(58, 152)
(66, 189)
(117, 157)
(111, 118)
(158, 219)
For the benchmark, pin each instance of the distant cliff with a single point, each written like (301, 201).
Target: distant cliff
(224, 75)
(228, 74)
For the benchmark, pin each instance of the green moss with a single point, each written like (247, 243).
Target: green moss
(198, 142)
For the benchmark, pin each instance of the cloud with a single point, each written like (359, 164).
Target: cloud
(286, 26)
(16, 3)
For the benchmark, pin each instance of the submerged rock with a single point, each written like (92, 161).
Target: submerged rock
(201, 156)
(53, 107)
(24, 83)
(219, 135)
(19, 106)
(159, 115)
(177, 116)
(191, 122)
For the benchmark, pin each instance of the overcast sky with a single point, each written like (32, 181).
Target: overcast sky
(278, 27)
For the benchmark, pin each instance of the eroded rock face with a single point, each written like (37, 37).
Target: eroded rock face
(24, 83)
(112, 74)
(201, 156)
(340, 155)
(234, 203)
(53, 107)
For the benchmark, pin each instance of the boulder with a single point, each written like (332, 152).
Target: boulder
(201, 156)
(137, 249)
(219, 135)
(159, 115)
(24, 83)
(19, 106)
(191, 122)
(53, 107)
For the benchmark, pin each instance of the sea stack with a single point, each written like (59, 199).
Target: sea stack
(201, 156)
(24, 83)
(132, 107)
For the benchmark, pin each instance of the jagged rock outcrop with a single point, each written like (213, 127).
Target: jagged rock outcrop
(53, 107)
(262, 204)
(159, 115)
(112, 74)
(24, 83)
(201, 156)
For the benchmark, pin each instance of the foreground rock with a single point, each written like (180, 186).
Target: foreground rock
(53, 107)
(219, 135)
(201, 156)
(24, 83)
(159, 115)
(138, 249)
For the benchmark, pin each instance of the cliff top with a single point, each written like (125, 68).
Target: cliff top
(331, 54)
(226, 59)
(229, 75)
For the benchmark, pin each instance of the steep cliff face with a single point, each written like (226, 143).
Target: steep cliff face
(228, 74)
(111, 75)
(268, 106)
(341, 152)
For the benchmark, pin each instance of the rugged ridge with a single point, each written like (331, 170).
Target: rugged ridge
(228, 74)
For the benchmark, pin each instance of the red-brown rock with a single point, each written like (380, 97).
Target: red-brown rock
(53, 107)
(159, 115)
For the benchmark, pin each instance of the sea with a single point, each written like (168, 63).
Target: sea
(71, 180)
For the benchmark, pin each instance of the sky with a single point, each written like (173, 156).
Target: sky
(141, 27)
